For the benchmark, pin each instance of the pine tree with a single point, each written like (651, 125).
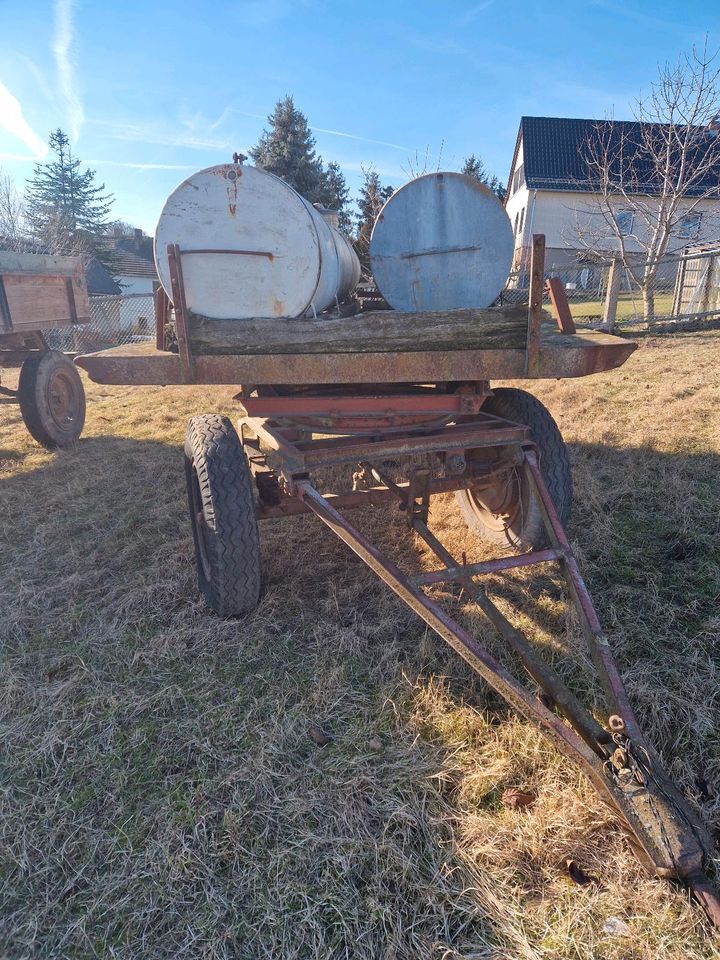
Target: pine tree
(335, 195)
(66, 209)
(474, 167)
(371, 200)
(287, 149)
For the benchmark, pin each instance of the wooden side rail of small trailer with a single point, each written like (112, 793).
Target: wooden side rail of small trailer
(40, 292)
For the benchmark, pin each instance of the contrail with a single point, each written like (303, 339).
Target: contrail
(354, 136)
(12, 119)
(334, 133)
(62, 43)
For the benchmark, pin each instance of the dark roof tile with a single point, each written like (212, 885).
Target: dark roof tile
(131, 265)
(555, 151)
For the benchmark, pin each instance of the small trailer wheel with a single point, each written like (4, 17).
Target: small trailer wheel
(52, 399)
(506, 514)
(222, 514)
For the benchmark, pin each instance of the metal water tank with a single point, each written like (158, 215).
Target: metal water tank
(441, 242)
(252, 247)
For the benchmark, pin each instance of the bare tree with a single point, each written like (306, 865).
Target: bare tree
(421, 164)
(13, 235)
(655, 172)
(370, 202)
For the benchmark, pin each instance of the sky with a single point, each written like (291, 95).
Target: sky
(151, 90)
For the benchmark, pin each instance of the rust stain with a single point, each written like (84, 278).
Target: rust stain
(278, 307)
(232, 192)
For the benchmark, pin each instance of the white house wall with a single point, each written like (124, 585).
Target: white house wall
(518, 201)
(130, 285)
(573, 222)
(137, 311)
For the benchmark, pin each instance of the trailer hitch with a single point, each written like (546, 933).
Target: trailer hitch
(667, 835)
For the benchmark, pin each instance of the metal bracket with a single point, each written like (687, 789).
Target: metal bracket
(266, 479)
(187, 364)
(417, 505)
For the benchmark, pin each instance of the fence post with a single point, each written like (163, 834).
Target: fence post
(611, 296)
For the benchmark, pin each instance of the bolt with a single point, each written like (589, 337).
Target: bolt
(455, 463)
(616, 724)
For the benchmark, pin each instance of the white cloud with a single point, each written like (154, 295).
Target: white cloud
(62, 48)
(143, 166)
(136, 134)
(12, 119)
(474, 12)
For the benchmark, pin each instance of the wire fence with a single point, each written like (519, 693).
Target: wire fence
(678, 288)
(116, 319)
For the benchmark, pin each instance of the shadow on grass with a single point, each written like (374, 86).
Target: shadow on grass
(177, 745)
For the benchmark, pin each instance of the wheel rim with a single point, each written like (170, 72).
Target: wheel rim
(499, 506)
(198, 521)
(63, 401)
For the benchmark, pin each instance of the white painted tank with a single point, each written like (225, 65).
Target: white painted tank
(441, 242)
(252, 247)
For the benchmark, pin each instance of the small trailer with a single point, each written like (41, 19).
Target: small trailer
(497, 448)
(40, 292)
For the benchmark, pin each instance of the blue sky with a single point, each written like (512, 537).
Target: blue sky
(151, 90)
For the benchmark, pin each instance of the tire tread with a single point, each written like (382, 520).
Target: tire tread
(228, 501)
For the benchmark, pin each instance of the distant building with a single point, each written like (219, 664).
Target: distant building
(550, 191)
(99, 281)
(133, 263)
(121, 293)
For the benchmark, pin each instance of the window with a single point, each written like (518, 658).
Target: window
(689, 228)
(522, 220)
(518, 178)
(625, 220)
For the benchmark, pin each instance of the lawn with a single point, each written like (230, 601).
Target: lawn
(162, 794)
(629, 307)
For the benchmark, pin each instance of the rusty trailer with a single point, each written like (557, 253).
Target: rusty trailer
(498, 450)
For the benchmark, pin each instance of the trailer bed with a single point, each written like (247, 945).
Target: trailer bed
(560, 355)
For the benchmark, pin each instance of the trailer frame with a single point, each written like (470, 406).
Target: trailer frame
(666, 833)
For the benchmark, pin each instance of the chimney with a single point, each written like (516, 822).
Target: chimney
(138, 238)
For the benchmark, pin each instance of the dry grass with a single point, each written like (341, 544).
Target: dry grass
(161, 796)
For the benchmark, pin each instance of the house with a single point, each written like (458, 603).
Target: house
(121, 290)
(553, 191)
(132, 263)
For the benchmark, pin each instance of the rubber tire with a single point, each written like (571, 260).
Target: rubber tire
(38, 373)
(227, 547)
(527, 531)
